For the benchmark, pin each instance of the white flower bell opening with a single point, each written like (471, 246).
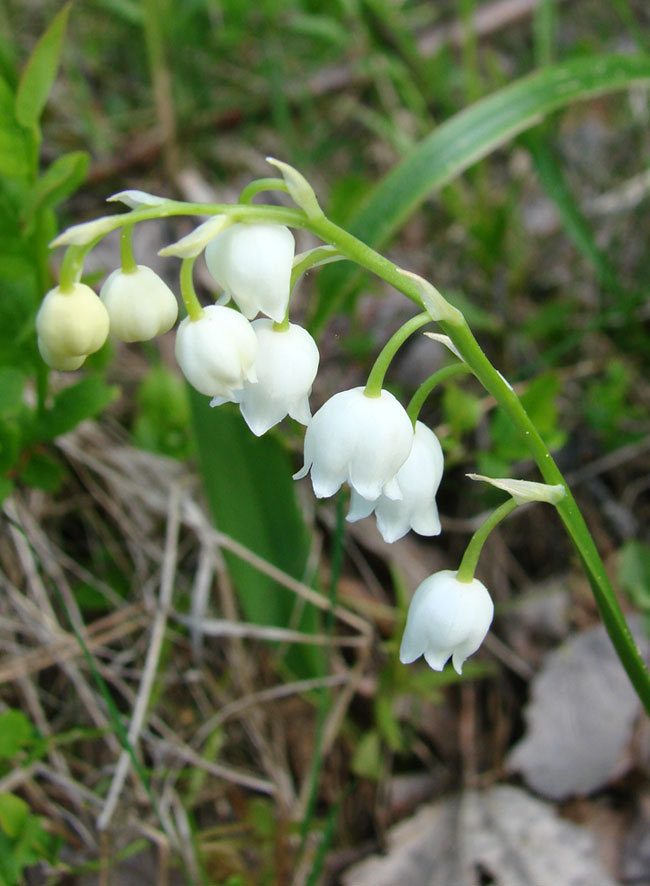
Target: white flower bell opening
(140, 305)
(447, 618)
(418, 479)
(285, 366)
(359, 439)
(216, 352)
(252, 263)
(71, 325)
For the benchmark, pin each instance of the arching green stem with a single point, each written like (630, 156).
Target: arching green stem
(322, 255)
(127, 259)
(192, 304)
(461, 335)
(419, 397)
(394, 343)
(467, 566)
(71, 267)
(262, 184)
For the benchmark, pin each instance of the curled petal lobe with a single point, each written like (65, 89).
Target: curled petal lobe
(361, 439)
(285, 366)
(417, 480)
(360, 507)
(446, 619)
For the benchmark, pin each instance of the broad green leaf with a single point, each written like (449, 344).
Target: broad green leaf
(13, 814)
(60, 181)
(16, 731)
(462, 410)
(467, 137)
(163, 420)
(367, 760)
(43, 471)
(6, 488)
(387, 721)
(14, 159)
(40, 71)
(18, 304)
(12, 382)
(252, 497)
(11, 439)
(9, 870)
(73, 405)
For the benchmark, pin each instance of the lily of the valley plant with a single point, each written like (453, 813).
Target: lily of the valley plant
(363, 437)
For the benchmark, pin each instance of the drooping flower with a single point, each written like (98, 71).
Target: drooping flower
(217, 351)
(285, 366)
(252, 263)
(364, 440)
(140, 305)
(70, 325)
(446, 618)
(418, 479)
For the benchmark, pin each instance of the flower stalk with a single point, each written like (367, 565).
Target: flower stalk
(419, 398)
(71, 268)
(458, 331)
(258, 186)
(188, 293)
(127, 259)
(469, 562)
(376, 378)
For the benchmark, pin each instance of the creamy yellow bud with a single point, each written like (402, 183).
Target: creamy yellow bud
(71, 324)
(140, 305)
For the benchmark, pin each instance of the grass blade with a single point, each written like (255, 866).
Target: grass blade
(466, 138)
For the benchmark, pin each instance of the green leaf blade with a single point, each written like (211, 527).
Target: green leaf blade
(56, 184)
(252, 497)
(40, 71)
(467, 137)
(72, 405)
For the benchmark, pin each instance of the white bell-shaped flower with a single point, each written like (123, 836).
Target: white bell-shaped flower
(217, 351)
(140, 305)
(285, 366)
(70, 325)
(364, 440)
(252, 263)
(446, 618)
(418, 479)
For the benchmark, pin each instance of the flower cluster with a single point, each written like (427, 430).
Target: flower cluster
(364, 437)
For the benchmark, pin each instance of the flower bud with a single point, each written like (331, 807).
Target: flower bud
(58, 361)
(525, 491)
(418, 479)
(252, 263)
(285, 366)
(364, 440)
(446, 618)
(216, 352)
(71, 325)
(140, 305)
